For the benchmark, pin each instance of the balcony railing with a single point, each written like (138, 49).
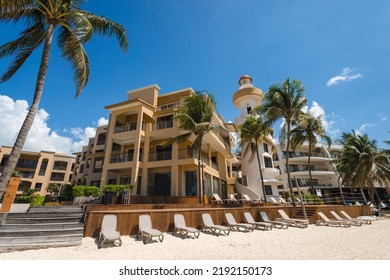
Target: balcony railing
(158, 156)
(128, 127)
(163, 125)
(306, 168)
(121, 158)
(304, 154)
(168, 106)
(191, 153)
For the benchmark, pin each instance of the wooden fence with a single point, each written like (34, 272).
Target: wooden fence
(162, 215)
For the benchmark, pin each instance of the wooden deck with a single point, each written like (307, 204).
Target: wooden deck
(162, 214)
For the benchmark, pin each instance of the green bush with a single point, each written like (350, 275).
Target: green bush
(37, 200)
(78, 191)
(85, 191)
(91, 191)
(22, 199)
(117, 189)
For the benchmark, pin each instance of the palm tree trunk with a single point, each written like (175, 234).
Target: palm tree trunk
(200, 187)
(287, 163)
(308, 166)
(9, 167)
(261, 173)
(364, 196)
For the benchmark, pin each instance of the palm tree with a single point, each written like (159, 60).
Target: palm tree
(41, 18)
(284, 101)
(388, 143)
(309, 129)
(361, 164)
(195, 117)
(253, 132)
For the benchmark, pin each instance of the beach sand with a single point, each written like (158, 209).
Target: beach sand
(367, 242)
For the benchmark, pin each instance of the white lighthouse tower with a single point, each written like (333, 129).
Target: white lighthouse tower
(246, 98)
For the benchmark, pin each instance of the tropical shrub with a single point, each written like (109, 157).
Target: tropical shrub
(37, 200)
(85, 191)
(117, 189)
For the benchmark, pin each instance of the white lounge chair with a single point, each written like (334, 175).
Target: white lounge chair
(282, 201)
(249, 200)
(355, 222)
(233, 199)
(276, 224)
(366, 219)
(181, 228)
(208, 225)
(108, 231)
(218, 200)
(237, 226)
(258, 225)
(146, 231)
(301, 223)
(327, 222)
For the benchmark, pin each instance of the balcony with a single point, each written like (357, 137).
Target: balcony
(163, 125)
(191, 153)
(126, 127)
(159, 156)
(121, 157)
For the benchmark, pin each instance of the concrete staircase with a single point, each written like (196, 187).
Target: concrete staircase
(42, 227)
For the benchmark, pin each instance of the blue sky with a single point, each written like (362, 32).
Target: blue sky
(340, 50)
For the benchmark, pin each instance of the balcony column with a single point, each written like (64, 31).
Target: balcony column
(175, 171)
(144, 182)
(209, 154)
(137, 146)
(108, 151)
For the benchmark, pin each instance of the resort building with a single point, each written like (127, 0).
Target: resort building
(39, 169)
(273, 157)
(323, 170)
(246, 98)
(132, 149)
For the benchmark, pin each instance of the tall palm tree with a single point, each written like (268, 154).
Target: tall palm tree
(195, 118)
(41, 18)
(285, 101)
(388, 143)
(253, 132)
(361, 164)
(309, 129)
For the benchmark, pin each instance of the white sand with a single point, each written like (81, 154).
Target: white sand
(314, 243)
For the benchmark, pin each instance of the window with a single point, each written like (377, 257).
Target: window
(159, 184)
(207, 184)
(38, 187)
(265, 146)
(42, 169)
(268, 162)
(268, 190)
(191, 183)
(125, 180)
(215, 185)
(249, 110)
(164, 122)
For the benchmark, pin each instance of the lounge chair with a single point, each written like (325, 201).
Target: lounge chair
(208, 225)
(146, 231)
(276, 224)
(301, 223)
(108, 231)
(249, 200)
(181, 228)
(237, 226)
(282, 201)
(365, 219)
(327, 222)
(233, 199)
(218, 200)
(355, 222)
(258, 225)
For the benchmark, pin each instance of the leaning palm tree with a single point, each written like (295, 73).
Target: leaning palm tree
(362, 164)
(195, 118)
(308, 130)
(42, 18)
(253, 132)
(284, 101)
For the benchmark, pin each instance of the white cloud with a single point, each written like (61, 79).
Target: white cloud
(329, 121)
(345, 75)
(364, 127)
(40, 136)
(383, 117)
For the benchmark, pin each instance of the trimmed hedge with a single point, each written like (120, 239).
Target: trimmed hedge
(117, 189)
(85, 191)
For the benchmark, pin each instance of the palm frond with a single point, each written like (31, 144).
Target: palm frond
(74, 52)
(106, 27)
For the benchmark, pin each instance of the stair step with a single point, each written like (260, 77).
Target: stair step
(59, 226)
(58, 209)
(45, 214)
(31, 246)
(40, 232)
(40, 239)
(46, 220)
